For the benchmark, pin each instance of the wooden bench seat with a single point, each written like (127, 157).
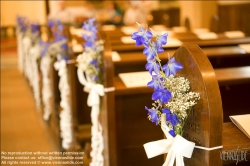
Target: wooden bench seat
(123, 117)
(234, 75)
(202, 43)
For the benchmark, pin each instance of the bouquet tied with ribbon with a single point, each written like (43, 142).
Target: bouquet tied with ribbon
(89, 75)
(172, 99)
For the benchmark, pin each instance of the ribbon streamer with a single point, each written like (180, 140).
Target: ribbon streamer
(26, 44)
(45, 67)
(95, 91)
(97, 143)
(34, 75)
(65, 113)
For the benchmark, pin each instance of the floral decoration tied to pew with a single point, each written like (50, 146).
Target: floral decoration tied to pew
(172, 100)
(57, 48)
(89, 75)
(28, 37)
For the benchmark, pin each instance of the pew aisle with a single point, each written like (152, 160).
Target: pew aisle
(21, 128)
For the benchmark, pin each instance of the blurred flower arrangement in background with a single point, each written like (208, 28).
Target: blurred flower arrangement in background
(90, 60)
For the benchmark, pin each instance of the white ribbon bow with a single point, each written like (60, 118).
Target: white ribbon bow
(176, 147)
(95, 90)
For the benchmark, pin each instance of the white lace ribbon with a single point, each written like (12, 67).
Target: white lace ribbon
(65, 113)
(46, 91)
(97, 143)
(26, 44)
(34, 75)
(177, 147)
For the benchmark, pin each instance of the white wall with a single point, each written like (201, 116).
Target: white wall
(198, 12)
(33, 10)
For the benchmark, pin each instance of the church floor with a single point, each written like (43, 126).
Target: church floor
(21, 128)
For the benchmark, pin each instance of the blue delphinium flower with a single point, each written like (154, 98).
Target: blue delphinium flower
(59, 39)
(91, 28)
(152, 66)
(156, 82)
(57, 29)
(93, 48)
(94, 62)
(172, 133)
(142, 36)
(89, 25)
(64, 46)
(50, 23)
(154, 117)
(150, 52)
(44, 47)
(163, 95)
(172, 67)
(22, 24)
(172, 118)
(161, 40)
(34, 28)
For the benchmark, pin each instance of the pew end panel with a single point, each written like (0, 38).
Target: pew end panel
(204, 124)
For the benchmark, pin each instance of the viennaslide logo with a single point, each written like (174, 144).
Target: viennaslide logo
(236, 155)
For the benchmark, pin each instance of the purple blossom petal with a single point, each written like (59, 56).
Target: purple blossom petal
(162, 40)
(171, 132)
(142, 36)
(166, 111)
(152, 66)
(155, 82)
(172, 67)
(153, 115)
(172, 118)
(162, 94)
(149, 52)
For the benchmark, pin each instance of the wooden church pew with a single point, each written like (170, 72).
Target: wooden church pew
(82, 120)
(135, 62)
(201, 43)
(184, 37)
(220, 57)
(125, 123)
(122, 97)
(53, 123)
(81, 129)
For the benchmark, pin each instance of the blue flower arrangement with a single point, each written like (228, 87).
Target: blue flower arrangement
(172, 99)
(59, 44)
(26, 28)
(22, 24)
(90, 60)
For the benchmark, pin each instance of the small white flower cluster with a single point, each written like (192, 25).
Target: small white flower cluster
(84, 60)
(177, 84)
(182, 100)
(55, 47)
